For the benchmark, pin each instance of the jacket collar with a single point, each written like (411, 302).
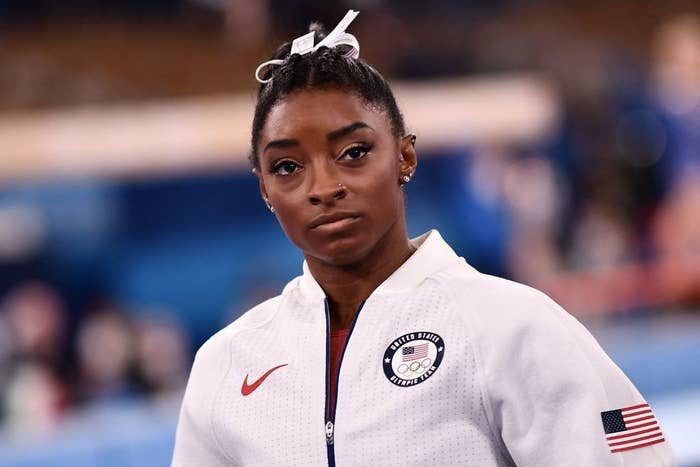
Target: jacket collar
(432, 255)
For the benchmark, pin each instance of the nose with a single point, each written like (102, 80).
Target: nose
(324, 186)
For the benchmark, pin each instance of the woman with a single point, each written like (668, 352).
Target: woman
(389, 350)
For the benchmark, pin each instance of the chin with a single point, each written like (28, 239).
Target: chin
(340, 252)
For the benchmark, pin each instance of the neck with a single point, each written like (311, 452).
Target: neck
(347, 286)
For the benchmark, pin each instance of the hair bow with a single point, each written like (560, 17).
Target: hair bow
(305, 44)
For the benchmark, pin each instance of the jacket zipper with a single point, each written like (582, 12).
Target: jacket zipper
(330, 419)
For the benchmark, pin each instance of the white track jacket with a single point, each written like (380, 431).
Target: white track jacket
(442, 366)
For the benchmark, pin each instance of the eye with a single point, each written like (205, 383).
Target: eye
(356, 152)
(284, 168)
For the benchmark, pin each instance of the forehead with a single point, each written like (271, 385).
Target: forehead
(320, 111)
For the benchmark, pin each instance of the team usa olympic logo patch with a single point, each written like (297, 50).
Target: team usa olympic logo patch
(413, 358)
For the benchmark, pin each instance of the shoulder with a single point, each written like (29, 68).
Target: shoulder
(215, 353)
(519, 328)
(196, 438)
(213, 359)
(505, 316)
(216, 346)
(535, 360)
(494, 299)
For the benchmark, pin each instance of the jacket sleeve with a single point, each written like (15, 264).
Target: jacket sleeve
(195, 440)
(547, 382)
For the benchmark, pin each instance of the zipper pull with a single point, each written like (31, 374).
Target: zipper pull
(329, 432)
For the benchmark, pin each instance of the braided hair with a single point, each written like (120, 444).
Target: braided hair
(324, 68)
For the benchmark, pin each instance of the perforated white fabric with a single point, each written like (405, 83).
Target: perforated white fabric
(520, 382)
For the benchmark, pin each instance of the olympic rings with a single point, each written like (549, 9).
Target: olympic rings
(412, 369)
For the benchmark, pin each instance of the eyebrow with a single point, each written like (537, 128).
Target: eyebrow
(281, 143)
(346, 130)
(333, 135)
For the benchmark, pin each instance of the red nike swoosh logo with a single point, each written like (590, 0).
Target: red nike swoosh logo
(246, 389)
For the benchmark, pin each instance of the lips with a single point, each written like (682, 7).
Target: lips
(335, 218)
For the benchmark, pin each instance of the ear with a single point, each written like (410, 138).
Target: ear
(408, 158)
(261, 185)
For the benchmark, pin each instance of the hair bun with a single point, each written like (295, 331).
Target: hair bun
(315, 39)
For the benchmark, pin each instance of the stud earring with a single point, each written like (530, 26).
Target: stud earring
(413, 140)
(269, 205)
(405, 179)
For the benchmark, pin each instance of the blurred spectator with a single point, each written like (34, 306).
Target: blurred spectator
(535, 198)
(676, 73)
(675, 228)
(601, 239)
(105, 352)
(37, 317)
(34, 390)
(34, 399)
(117, 356)
(162, 355)
(676, 232)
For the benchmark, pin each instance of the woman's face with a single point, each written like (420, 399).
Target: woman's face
(330, 166)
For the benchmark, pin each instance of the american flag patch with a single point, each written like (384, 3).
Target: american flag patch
(631, 428)
(414, 352)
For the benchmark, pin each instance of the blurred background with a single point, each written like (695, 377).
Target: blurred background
(559, 146)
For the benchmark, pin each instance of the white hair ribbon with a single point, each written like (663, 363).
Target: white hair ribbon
(305, 44)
